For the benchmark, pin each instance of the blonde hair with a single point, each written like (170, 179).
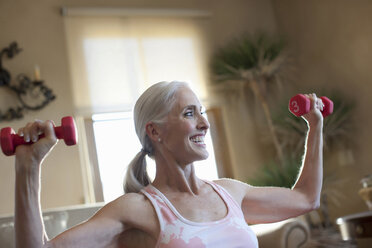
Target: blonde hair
(153, 105)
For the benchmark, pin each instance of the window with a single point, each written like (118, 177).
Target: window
(117, 144)
(129, 55)
(113, 59)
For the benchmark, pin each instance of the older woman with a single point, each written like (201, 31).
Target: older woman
(177, 209)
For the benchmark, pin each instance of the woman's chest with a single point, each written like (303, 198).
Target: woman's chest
(205, 208)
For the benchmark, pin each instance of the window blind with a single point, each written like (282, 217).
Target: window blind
(113, 59)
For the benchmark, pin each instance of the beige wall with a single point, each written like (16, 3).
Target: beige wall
(331, 41)
(37, 26)
(38, 29)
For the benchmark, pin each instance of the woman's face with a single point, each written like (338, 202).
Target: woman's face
(185, 129)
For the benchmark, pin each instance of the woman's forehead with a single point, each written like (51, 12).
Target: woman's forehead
(186, 97)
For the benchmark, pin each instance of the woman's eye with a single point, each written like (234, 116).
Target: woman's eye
(189, 113)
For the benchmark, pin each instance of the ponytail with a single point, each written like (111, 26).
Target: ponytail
(136, 177)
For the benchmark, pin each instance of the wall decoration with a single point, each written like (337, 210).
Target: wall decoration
(31, 94)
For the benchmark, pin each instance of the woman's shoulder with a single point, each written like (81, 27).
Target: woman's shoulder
(231, 184)
(133, 209)
(236, 188)
(130, 199)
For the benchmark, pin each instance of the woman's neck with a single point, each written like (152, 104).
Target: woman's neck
(172, 177)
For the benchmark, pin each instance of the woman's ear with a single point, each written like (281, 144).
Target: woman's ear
(153, 131)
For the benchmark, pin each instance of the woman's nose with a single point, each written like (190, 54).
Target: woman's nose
(203, 123)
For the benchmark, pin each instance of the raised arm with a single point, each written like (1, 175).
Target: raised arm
(309, 182)
(102, 230)
(29, 228)
(271, 204)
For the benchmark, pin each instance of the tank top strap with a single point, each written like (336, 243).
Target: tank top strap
(227, 198)
(165, 214)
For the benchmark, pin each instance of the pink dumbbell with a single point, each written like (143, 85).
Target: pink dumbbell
(10, 140)
(300, 105)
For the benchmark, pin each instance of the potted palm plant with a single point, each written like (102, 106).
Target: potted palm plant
(253, 62)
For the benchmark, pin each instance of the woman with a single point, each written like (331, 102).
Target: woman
(177, 209)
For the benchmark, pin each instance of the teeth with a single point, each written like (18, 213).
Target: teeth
(198, 139)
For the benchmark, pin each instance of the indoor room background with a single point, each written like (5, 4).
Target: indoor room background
(329, 42)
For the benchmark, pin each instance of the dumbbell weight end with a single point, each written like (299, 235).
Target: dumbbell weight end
(328, 106)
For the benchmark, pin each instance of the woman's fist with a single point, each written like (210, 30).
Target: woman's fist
(41, 145)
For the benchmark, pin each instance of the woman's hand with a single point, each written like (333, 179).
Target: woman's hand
(33, 154)
(314, 117)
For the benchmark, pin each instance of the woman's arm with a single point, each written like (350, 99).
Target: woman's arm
(29, 228)
(271, 204)
(102, 230)
(310, 179)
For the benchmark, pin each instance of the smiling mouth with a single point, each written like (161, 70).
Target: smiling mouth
(199, 140)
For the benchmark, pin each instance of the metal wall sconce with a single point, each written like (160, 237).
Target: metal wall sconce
(31, 94)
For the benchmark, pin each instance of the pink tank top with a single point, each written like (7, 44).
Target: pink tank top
(177, 232)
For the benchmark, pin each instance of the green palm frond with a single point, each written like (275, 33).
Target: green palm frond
(249, 55)
(291, 131)
(274, 174)
(338, 126)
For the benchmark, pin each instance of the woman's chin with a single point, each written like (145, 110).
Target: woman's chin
(203, 156)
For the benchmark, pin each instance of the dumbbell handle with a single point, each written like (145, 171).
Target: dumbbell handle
(10, 140)
(19, 140)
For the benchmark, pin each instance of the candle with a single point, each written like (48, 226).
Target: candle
(37, 73)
